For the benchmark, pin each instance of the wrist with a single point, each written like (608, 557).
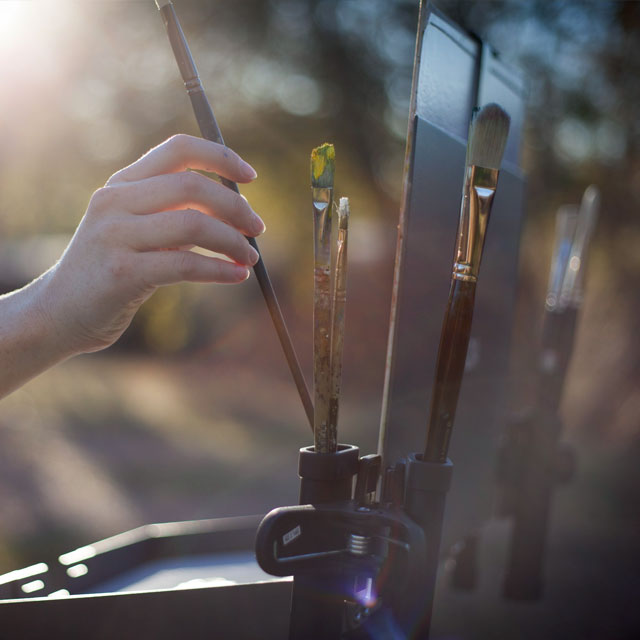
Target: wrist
(51, 331)
(30, 342)
(38, 340)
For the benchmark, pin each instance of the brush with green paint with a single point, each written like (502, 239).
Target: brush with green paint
(322, 171)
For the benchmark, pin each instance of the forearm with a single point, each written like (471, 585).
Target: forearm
(29, 344)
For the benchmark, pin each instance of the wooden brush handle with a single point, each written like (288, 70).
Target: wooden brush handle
(452, 354)
(558, 332)
(325, 440)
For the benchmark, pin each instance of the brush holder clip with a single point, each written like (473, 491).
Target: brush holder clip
(345, 539)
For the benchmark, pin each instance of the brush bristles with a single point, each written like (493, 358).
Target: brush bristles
(343, 213)
(487, 137)
(323, 165)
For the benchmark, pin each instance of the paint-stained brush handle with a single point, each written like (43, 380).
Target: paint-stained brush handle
(337, 319)
(210, 130)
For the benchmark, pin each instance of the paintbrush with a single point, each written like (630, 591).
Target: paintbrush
(556, 322)
(572, 285)
(322, 171)
(337, 322)
(536, 446)
(566, 219)
(210, 130)
(488, 133)
(564, 298)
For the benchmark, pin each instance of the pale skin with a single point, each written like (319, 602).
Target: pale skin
(134, 237)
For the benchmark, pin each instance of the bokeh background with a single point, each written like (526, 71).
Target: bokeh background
(193, 414)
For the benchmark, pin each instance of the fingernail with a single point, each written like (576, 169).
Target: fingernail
(258, 225)
(242, 272)
(254, 256)
(248, 171)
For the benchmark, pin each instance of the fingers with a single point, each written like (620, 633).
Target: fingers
(190, 228)
(174, 207)
(182, 152)
(180, 191)
(169, 267)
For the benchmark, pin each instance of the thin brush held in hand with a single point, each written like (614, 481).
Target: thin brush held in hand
(322, 171)
(337, 323)
(210, 130)
(488, 133)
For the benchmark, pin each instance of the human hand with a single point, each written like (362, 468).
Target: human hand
(135, 237)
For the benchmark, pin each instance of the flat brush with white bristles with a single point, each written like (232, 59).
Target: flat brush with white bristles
(488, 133)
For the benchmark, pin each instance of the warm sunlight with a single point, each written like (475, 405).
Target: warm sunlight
(32, 34)
(16, 18)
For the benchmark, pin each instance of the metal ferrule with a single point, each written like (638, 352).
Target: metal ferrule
(341, 270)
(322, 200)
(479, 188)
(571, 292)
(565, 229)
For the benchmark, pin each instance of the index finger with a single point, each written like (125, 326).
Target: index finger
(181, 152)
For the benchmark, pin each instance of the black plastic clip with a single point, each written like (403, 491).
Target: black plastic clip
(342, 538)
